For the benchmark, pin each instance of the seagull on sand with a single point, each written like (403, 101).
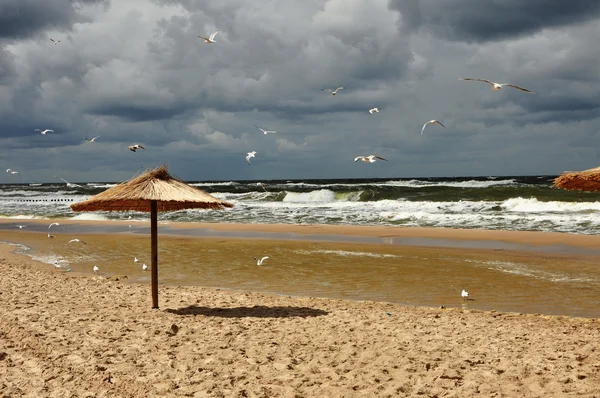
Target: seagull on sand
(135, 260)
(55, 41)
(69, 184)
(135, 147)
(260, 261)
(464, 294)
(50, 236)
(210, 39)
(333, 92)
(265, 131)
(77, 240)
(96, 269)
(373, 110)
(497, 86)
(431, 122)
(43, 132)
(369, 159)
(91, 139)
(250, 156)
(144, 267)
(11, 171)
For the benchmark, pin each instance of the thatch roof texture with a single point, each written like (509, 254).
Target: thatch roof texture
(587, 180)
(157, 184)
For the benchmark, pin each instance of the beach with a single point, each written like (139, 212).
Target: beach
(80, 334)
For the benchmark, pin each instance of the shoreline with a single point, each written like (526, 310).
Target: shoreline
(409, 236)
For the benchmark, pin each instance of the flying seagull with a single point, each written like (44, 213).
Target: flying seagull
(369, 159)
(44, 131)
(373, 110)
(11, 171)
(250, 155)
(260, 184)
(333, 92)
(210, 39)
(55, 41)
(464, 294)
(21, 226)
(135, 147)
(265, 131)
(69, 184)
(431, 122)
(54, 223)
(77, 240)
(497, 86)
(91, 139)
(260, 261)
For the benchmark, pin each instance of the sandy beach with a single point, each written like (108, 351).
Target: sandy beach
(67, 334)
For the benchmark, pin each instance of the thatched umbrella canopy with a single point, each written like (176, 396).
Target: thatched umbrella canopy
(153, 191)
(587, 180)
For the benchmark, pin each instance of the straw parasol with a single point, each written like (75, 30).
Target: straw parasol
(587, 180)
(153, 191)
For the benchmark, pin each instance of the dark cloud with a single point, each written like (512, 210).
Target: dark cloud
(480, 21)
(24, 18)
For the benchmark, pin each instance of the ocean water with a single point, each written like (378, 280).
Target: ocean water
(525, 203)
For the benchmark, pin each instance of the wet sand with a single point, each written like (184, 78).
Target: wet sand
(70, 335)
(542, 277)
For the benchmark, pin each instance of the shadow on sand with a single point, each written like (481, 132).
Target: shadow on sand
(258, 311)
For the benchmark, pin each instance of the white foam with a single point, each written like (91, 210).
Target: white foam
(345, 253)
(322, 195)
(90, 217)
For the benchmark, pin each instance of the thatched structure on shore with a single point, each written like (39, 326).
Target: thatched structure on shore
(587, 180)
(153, 191)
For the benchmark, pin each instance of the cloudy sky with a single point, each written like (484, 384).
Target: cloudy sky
(135, 72)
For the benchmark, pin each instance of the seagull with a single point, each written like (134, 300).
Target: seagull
(370, 158)
(260, 184)
(57, 265)
(259, 262)
(96, 269)
(210, 39)
(250, 155)
(135, 260)
(333, 92)
(373, 110)
(55, 41)
(44, 131)
(265, 131)
(496, 86)
(12, 171)
(69, 184)
(144, 267)
(431, 122)
(135, 147)
(54, 223)
(464, 294)
(91, 139)
(77, 240)
(21, 226)
(50, 236)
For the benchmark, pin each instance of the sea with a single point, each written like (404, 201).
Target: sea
(521, 203)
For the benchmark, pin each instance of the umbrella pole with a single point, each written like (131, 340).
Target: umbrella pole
(154, 259)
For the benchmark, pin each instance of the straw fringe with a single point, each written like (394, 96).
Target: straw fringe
(157, 184)
(587, 180)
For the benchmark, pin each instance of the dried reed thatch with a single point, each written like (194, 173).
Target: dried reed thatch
(587, 180)
(169, 193)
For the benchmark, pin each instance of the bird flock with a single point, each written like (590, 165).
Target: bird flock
(252, 154)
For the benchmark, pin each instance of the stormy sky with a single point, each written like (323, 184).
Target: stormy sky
(135, 72)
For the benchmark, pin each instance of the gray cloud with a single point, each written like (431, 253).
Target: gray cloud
(480, 21)
(136, 72)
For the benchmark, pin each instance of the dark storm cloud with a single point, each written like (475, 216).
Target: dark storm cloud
(24, 18)
(480, 21)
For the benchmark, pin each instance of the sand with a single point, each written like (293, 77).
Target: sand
(67, 335)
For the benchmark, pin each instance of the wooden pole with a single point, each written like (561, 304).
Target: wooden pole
(154, 259)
